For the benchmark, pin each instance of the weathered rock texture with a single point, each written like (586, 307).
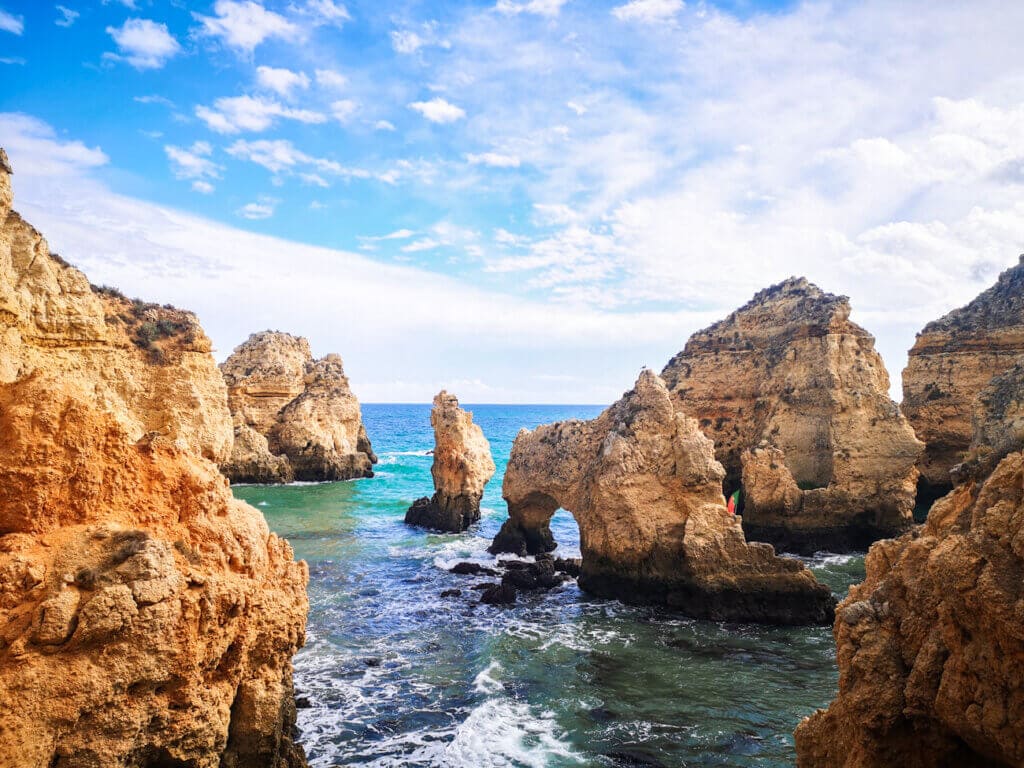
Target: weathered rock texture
(952, 361)
(146, 617)
(462, 466)
(930, 645)
(795, 398)
(295, 417)
(645, 488)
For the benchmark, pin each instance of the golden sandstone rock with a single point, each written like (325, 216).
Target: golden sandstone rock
(295, 417)
(795, 398)
(953, 359)
(147, 618)
(462, 467)
(929, 647)
(645, 488)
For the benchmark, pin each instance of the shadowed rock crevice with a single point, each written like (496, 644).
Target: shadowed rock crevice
(462, 467)
(795, 398)
(646, 491)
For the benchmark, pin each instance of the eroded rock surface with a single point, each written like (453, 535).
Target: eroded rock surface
(462, 466)
(645, 488)
(147, 618)
(295, 417)
(953, 359)
(795, 398)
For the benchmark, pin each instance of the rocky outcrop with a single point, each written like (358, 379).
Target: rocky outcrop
(295, 417)
(462, 466)
(929, 646)
(646, 491)
(795, 398)
(953, 359)
(147, 618)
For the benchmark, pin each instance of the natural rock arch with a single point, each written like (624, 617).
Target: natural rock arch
(643, 484)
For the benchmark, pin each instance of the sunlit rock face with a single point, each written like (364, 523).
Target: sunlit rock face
(147, 618)
(953, 359)
(929, 646)
(462, 467)
(645, 488)
(795, 398)
(303, 409)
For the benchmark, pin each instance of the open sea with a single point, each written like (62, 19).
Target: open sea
(395, 675)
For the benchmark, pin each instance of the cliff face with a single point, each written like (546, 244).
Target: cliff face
(645, 488)
(295, 417)
(952, 361)
(147, 618)
(462, 466)
(795, 398)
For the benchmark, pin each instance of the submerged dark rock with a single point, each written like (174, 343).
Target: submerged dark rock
(498, 594)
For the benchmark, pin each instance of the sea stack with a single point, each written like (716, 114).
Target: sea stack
(645, 488)
(795, 398)
(295, 418)
(146, 616)
(953, 359)
(929, 646)
(462, 467)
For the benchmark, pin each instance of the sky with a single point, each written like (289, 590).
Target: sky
(518, 200)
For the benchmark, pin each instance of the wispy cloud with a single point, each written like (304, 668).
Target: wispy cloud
(236, 114)
(281, 156)
(538, 7)
(281, 81)
(11, 23)
(244, 25)
(67, 16)
(331, 79)
(648, 11)
(143, 43)
(493, 159)
(194, 163)
(263, 209)
(438, 110)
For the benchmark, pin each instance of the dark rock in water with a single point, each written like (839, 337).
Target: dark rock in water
(602, 715)
(472, 569)
(302, 702)
(483, 586)
(518, 540)
(452, 515)
(634, 756)
(372, 662)
(529, 576)
(451, 593)
(570, 566)
(498, 594)
(513, 564)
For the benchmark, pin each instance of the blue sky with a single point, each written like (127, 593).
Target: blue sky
(520, 200)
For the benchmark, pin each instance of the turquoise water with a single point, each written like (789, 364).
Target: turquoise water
(395, 675)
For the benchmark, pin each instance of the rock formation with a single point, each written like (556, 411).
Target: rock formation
(929, 646)
(147, 618)
(462, 466)
(295, 417)
(795, 398)
(646, 491)
(952, 361)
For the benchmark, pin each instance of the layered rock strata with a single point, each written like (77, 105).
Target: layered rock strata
(462, 467)
(929, 646)
(795, 398)
(295, 417)
(646, 491)
(147, 618)
(953, 359)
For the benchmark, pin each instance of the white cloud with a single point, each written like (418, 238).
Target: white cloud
(67, 16)
(576, 107)
(247, 113)
(325, 12)
(383, 125)
(194, 163)
(143, 43)
(203, 187)
(437, 110)
(330, 79)
(398, 234)
(538, 7)
(343, 110)
(282, 81)
(648, 11)
(263, 209)
(281, 156)
(424, 244)
(154, 98)
(31, 138)
(406, 41)
(14, 60)
(10, 23)
(244, 25)
(494, 160)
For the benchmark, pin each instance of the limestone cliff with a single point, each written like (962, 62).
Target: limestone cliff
(147, 618)
(295, 417)
(645, 488)
(795, 398)
(953, 359)
(462, 466)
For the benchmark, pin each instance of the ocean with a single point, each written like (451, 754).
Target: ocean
(395, 675)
